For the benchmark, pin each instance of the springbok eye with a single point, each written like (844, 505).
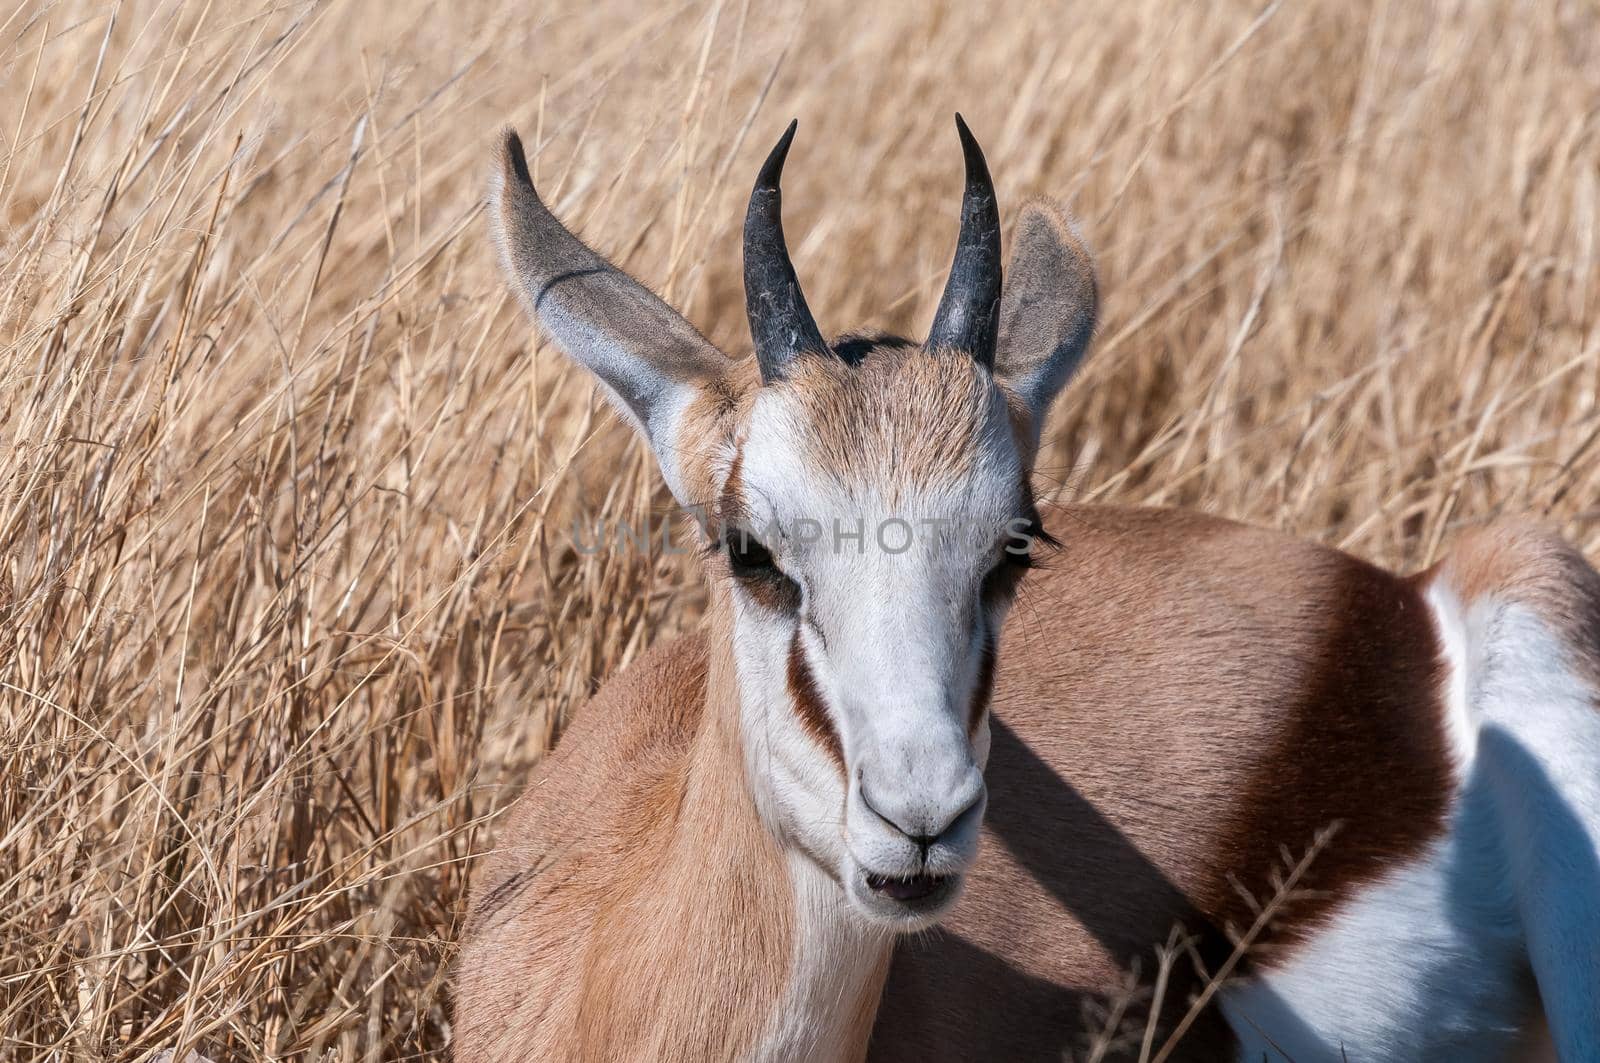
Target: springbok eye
(1017, 549)
(746, 555)
(1001, 582)
(752, 565)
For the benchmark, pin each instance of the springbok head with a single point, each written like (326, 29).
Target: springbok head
(867, 511)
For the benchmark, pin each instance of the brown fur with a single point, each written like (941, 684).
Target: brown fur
(1177, 699)
(632, 875)
(1532, 566)
(903, 418)
(708, 427)
(1159, 684)
(1150, 675)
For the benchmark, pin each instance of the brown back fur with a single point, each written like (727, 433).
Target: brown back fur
(1150, 674)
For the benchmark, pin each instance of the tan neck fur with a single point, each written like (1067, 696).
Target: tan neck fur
(689, 957)
(637, 905)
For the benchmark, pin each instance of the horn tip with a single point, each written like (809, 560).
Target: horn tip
(772, 169)
(968, 141)
(977, 166)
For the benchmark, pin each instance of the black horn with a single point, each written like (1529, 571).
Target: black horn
(780, 323)
(968, 314)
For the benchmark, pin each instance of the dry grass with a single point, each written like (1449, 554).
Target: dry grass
(288, 599)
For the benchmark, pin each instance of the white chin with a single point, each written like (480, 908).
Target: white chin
(902, 905)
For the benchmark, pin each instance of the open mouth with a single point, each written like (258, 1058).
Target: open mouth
(908, 890)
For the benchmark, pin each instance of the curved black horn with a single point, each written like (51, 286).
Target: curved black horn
(968, 314)
(780, 323)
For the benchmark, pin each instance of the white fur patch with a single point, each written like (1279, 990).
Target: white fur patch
(1433, 962)
(1454, 628)
(836, 954)
(1405, 972)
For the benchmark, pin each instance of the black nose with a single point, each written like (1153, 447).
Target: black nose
(919, 833)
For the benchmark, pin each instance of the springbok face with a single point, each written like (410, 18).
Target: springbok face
(870, 512)
(873, 523)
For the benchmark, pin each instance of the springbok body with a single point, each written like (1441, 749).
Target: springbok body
(724, 855)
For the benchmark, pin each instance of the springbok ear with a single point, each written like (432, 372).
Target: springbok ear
(1047, 312)
(650, 359)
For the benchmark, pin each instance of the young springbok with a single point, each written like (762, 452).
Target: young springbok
(721, 855)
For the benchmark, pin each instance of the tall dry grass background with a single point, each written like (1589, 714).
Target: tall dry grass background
(288, 603)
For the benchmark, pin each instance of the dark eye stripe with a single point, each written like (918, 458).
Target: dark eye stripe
(1001, 582)
(746, 554)
(1000, 585)
(808, 702)
(983, 691)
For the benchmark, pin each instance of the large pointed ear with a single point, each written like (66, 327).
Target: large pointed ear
(650, 359)
(1048, 309)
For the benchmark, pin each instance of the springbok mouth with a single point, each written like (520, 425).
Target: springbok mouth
(908, 890)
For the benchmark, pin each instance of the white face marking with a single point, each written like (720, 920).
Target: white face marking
(892, 629)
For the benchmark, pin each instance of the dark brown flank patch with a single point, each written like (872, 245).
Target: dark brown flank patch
(808, 702)
(1375, 685)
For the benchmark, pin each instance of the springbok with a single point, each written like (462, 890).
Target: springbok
(727, 852)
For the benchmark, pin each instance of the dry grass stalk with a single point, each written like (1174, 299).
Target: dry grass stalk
(289, 602)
